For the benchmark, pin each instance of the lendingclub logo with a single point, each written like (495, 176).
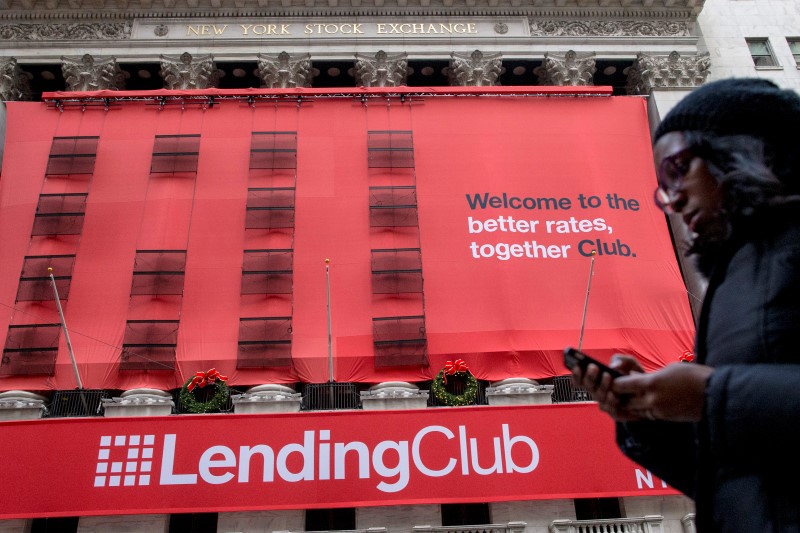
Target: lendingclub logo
(124, 460)
(317, 455)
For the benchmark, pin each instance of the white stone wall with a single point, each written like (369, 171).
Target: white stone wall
(537, 514)
(723, 26)
(398, 518)
(145, 523)
(261, 521)
(672, 508)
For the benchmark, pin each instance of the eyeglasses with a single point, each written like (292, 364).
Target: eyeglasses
(670, 177)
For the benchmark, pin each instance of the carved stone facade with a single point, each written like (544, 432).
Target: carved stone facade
(382, 70)
(88, 73)
(187, 72)
(282, 71)
(475, 70)
(650, 72)
(571, 69)
(609, 28)
(92, 31)
(14, 83)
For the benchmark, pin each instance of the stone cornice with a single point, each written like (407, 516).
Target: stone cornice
(75, 10)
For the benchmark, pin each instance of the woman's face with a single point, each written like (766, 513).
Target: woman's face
(687, 183)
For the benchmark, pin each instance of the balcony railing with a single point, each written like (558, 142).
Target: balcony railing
(646, 524)
(511, 527)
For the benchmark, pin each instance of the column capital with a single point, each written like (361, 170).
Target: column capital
(673, 71)
(571, 69)
(188, 72)
(475, 69)
(381, 70)
(90, 73)
(14, 82)
(282, 71)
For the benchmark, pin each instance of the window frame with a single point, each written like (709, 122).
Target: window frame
(769, 54)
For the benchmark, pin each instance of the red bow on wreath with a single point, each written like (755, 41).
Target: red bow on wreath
(452, 368)
(687, 357)
(201, 379)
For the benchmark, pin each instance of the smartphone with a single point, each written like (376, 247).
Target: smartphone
(575, 358)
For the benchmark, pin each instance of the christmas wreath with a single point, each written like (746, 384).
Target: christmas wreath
(687, 357)
(200, 380)
(455, 368)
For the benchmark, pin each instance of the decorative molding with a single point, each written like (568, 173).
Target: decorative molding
(649, 72)
(571, 69)
(383, 70)
(88, 73)
(92, 31)
(187, 72)
(609, 28)
(281, 71)
(14, 83)
(474, 70)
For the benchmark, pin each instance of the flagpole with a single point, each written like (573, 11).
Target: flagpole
(330, 335)
(586, 301)
(64, 327)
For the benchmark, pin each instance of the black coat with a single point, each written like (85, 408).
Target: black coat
(741, 463)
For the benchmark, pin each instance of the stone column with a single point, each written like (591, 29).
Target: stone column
(475, 69)
(382, 70)
(571, 69)
(394, 395)
(666, 80)
(187, 72)
(14, 83)
(269, 398)
(89, 73)
(139, 402)
(282, 71)
(21, 405)
(519, 391)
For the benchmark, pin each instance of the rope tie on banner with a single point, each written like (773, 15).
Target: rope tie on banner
(201, 379)
(451, 368)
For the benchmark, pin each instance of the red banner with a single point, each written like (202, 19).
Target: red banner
(513, 194)
(96, 466)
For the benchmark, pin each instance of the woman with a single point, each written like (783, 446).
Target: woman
(726, 430)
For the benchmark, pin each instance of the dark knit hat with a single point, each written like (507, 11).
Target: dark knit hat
(738, 106)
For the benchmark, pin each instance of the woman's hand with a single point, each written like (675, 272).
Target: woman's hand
(599, 384)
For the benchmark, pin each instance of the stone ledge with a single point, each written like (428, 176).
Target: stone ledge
(518, 391)
(394, 395)
(139, 402)
(21, 405)
(267, 398)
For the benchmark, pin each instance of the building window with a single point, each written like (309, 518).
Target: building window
(390, 149)
(149, 345)
(393, 206)
(265, 342)
(396, 271)
(68, 524)
(597, 508)
(34, 283)
(270, 208)
(72, 155)
(267, 271)
(193, 523)
(465, 514)
(400, 341)
(761, 52)
(60, 214)
(30, 350)
(175, 153)
(794, 46)
(158, 272)
(330, 519)
(273, 150)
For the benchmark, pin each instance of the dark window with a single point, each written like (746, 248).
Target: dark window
(761, 51)
(265, 342)
(35, 284)
(393, 206)
(30, 350)
(465, 514)
(400, 341)
(149, 345)
(60, 214)
(81, 402)
(270, 207)
(330, 519)
(157, 272)
(72, 155)
(67, 524)
(273, 149)
(175, 153)
(794, 46)
(397, 270)
(267, 271)
(330, 396)
(390, 149)
(597, 508)
(193, 523)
